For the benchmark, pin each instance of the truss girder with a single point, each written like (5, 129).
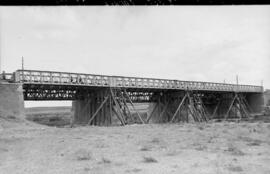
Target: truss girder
(92, 80)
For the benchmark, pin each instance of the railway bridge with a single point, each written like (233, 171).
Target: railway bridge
(98, 99)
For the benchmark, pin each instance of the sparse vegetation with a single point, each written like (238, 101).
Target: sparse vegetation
(235, 151)
(200, 127)
(149, 160)
(201, 147)
(135, 170)
(255, 143)
(172, 153)
(11, 117)
(86, 169)
(234, 168)
(101, 145)
(146, 148)
(154, 148)
(155, 140)
(83, 154)
(251, 141)
(105, 160)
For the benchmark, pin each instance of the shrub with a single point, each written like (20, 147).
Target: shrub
(83, 154)
(149, 160)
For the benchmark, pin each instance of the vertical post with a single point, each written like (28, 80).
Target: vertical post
(60, 78)
(22, 68)
(98, 104)
(110, 119)
(94, 96)
(240, 108)
(187, 106)
(159, 109)
(103, 109)
(92, 106)
(237, 82)
(51, 77)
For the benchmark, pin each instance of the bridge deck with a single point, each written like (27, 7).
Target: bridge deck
(91, 80)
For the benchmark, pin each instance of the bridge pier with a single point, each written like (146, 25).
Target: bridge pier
(11, 101)
(255, 102)
(236, 105)
(93, 109)
(183, 106)
(105, 106)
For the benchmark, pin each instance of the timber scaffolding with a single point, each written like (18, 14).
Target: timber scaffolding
(100, 100)
(102, 105)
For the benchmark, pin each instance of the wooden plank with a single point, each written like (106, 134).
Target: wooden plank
(240, 108)
(99, 108)
(118, 116)
(118, 108)
(178, 108)
(245, 103)
(227, 113)
(93, 107)
(167, 111)
(149, 117)
(191, 107)
(72, 114)
(163, 111)
(126, 107)
(216, 108)
(243, 107)
(111, 105)
(203, 110)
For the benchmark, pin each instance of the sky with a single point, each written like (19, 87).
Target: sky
(200, 43)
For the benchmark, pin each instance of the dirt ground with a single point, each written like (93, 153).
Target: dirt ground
(216, 148)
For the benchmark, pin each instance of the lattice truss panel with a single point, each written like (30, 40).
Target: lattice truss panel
(65, 78)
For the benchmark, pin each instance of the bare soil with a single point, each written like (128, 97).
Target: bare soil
(212, 148)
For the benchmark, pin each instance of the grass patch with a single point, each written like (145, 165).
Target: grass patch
(201, 147)
(255, 143)
(149, 160)
(235, 151)
(86, 169)
(155, 140)
(200, 127)
(83, 155)
(135, 170)
(233, 168)
(251, 142)
(172, 153)
(11, 117)
(105, 161)
(145, 148)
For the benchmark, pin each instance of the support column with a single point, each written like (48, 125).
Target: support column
(94, 109)
(81, 109)
(256, 102)
(11, 101)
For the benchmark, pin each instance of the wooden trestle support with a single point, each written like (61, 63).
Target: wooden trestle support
(103, 106)
(175, 107)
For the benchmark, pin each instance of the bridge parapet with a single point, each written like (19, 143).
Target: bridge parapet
(65, 78)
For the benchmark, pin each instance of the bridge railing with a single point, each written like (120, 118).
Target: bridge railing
(63, 78)
(7, 76)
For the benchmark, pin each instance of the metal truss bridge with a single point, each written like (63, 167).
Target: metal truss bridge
(96, 99)
(50, 85)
